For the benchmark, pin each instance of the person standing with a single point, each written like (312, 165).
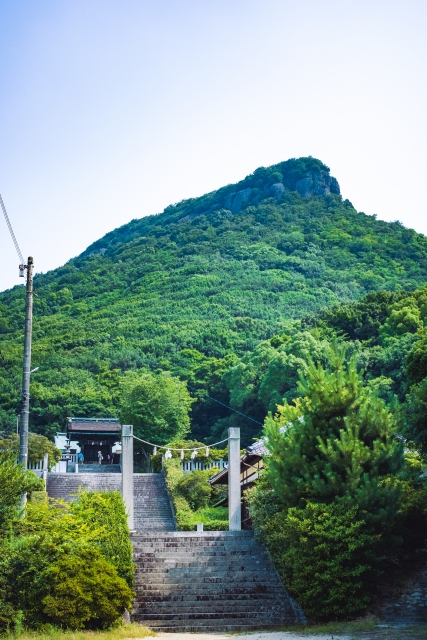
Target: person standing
(100, 457)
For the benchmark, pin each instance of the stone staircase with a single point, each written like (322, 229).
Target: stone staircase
(191, 581)
(65, 486)
(99, 468)
(210, 581)
(152, 507)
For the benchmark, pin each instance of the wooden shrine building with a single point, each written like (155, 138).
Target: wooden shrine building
(93, 435)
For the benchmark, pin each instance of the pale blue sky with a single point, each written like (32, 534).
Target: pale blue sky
(113, 109)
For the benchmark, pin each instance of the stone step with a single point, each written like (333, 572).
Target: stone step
(183, 570)
(205, 535)
(207, 595)
(194, 579)
(235, 608)
(189, 557)
(253, 616)
(221, 626)
(203, 589)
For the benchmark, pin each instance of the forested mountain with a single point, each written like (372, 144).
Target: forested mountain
(204, 290)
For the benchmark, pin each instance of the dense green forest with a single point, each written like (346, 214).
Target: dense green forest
(231, 292)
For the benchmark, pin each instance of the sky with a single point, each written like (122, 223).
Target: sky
(111, 110)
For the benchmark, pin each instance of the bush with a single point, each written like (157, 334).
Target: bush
(411, 524)
(183, 511)
(328, 558)
(323, 553)
(178, 483)
(212, 518)
(38, 446)
(56, 572)
(9, 616)
(195, 488)
(329, 499)
(83, 591)
(106, 511)
(14, 481)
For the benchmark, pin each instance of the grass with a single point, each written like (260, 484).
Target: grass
(131, 630)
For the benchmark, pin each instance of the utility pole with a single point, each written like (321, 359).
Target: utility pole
(26, 369)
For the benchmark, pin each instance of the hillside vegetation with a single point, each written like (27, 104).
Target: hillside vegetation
(213, 290)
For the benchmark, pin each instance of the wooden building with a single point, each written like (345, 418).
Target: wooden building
(251, 464)
(93, 435)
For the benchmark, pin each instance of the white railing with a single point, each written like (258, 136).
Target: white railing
(188, 466)
(40, 468)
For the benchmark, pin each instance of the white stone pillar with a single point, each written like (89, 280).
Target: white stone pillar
(45, 468)
(127, 471)
(234, 500)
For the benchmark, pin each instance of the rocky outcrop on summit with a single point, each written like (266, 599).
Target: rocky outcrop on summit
(309, 177)
(313, 183)
(317, 183)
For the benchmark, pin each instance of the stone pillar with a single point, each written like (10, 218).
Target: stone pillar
(127, 471)
(234, 500)
(45, 468)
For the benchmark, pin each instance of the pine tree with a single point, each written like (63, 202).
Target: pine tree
(337, 444)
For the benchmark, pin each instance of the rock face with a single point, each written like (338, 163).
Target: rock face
(235, 201)
(277, 190)
(317, 183)
(314, 183)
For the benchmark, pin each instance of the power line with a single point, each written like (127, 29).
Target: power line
(15, 242)
(210, 398)
(225, 405)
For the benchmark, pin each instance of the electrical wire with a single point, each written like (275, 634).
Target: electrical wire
(15, 242)
(225, 405)
(214, 399)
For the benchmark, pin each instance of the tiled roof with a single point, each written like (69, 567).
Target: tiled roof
(94, 425)
(258, 448)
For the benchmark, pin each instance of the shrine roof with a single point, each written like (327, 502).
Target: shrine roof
(94, 425)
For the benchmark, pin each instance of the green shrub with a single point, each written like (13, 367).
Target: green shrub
(330, 496)
(56, 572)
(327, 558)
(38, 446)
(106, 511)
(183, 511)
(13, 482)
(178, 483)
(411, 524)
(72, 586)
(83, 591)
(212, 518)
(195, 488)
(8, 614)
